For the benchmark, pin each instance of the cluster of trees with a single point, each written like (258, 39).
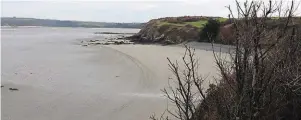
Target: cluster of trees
(210, 31)
(260, 75)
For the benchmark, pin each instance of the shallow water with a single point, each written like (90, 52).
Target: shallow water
(59, 79)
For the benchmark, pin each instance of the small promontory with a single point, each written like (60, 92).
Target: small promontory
(172, 30)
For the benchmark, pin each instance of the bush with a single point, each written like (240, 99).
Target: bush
(261, 79)
(210, 31)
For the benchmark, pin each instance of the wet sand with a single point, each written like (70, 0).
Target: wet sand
(58, 79)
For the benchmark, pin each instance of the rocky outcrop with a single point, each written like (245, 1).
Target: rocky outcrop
(158, 31)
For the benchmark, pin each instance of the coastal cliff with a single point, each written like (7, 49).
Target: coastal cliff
(172, 30)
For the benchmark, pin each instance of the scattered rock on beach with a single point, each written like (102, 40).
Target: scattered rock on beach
(13, 89)
(93, 40)
(118, 42)
(112, 41)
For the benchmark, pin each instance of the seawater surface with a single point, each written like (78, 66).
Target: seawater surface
(58, 79)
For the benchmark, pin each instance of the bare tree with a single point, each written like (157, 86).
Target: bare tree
(262, 81)
(261, 59)
(188, 92)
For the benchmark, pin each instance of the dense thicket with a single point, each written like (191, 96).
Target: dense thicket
(260, 76)
(210, 31)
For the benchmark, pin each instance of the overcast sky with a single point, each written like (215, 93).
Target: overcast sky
(113, 11)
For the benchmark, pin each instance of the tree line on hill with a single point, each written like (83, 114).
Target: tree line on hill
(13, 21)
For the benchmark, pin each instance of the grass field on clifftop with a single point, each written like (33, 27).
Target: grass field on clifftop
(199, 24)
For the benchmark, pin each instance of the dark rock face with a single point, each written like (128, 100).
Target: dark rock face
(153, 32)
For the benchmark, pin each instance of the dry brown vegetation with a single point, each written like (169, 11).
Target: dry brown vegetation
(260, 81)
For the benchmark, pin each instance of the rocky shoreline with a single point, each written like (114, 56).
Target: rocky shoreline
(109, 42)
(113, 39)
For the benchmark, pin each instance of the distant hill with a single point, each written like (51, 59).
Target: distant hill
(13, 21)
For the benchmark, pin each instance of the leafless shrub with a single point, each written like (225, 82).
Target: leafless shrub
(262, 81)
(188, 92)
(261, 65)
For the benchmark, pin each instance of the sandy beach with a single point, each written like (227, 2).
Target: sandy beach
(60, 80)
